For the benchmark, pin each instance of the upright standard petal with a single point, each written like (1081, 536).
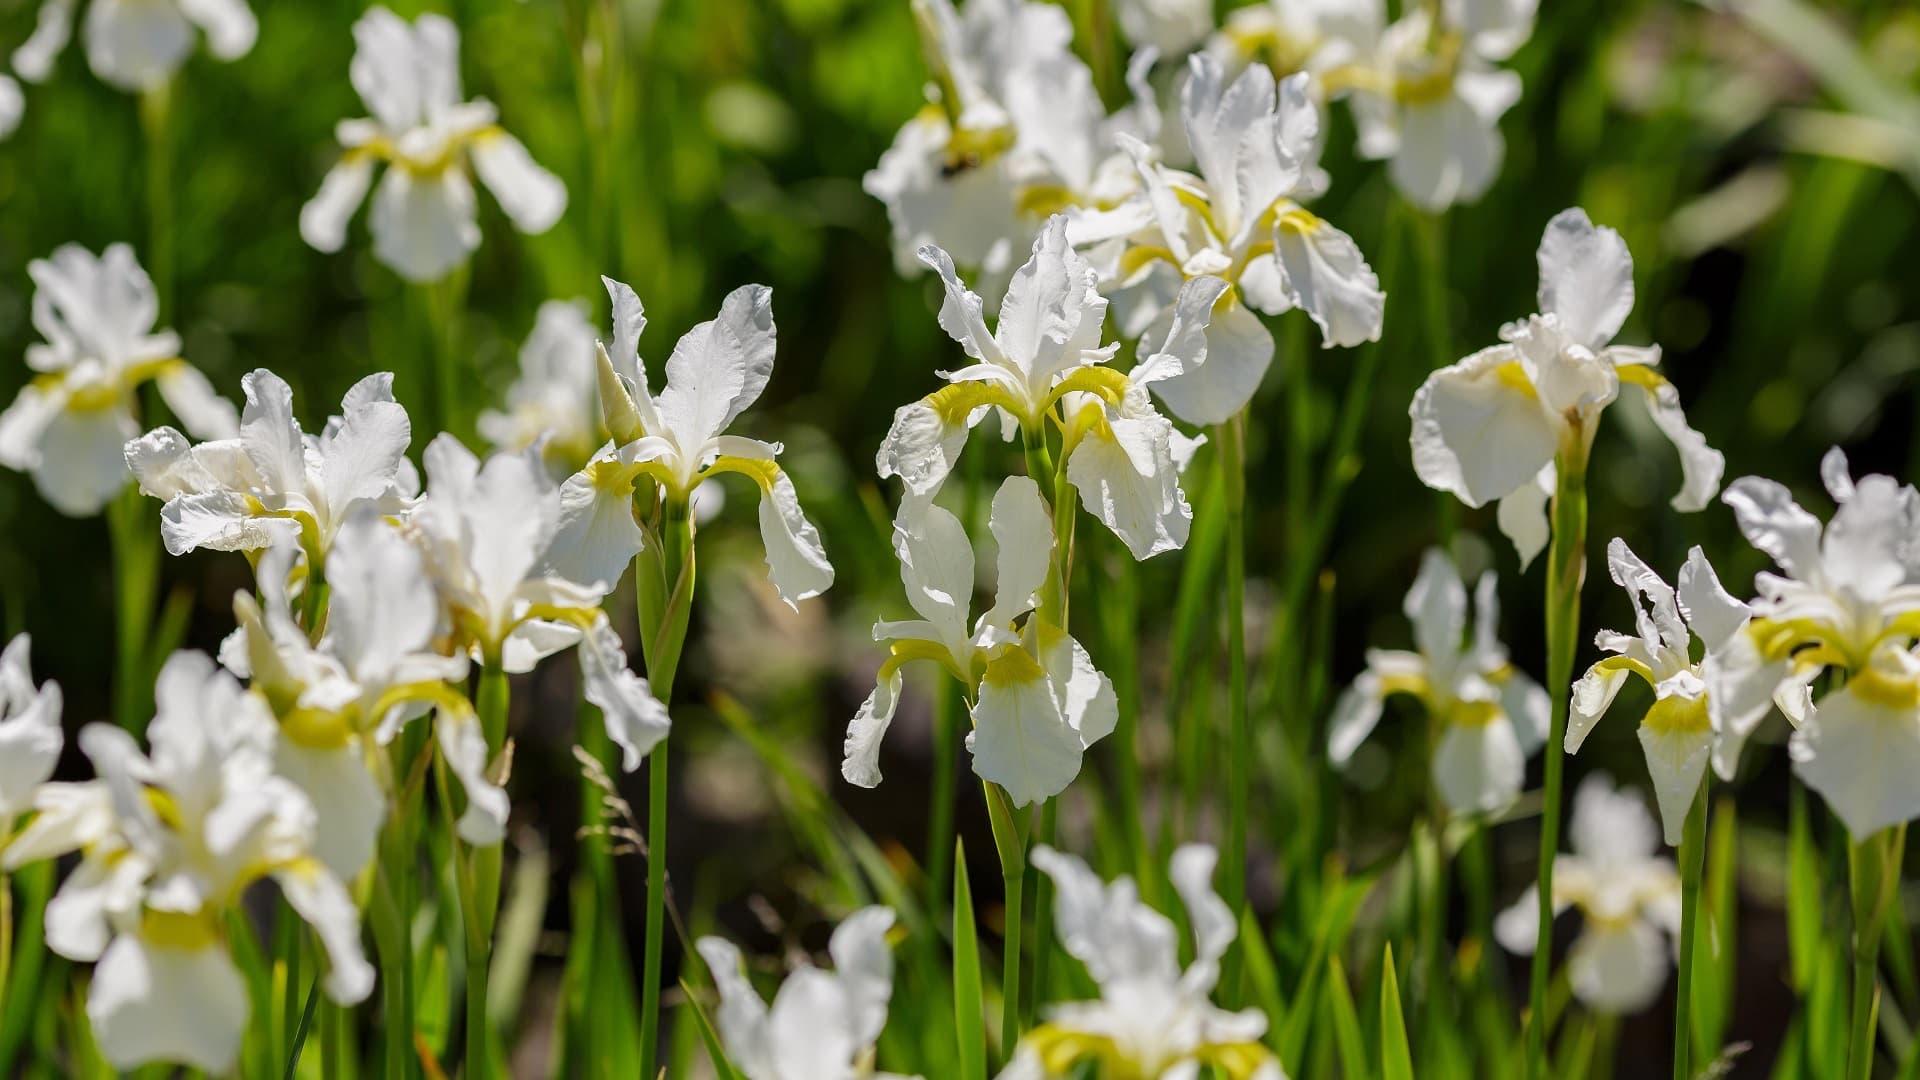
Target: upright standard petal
(1586, 278)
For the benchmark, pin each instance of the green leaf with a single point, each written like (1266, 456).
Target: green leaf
(1261, 975)
(1396, 1059)
(1804, 918)
(1715, 957)
(1345, 1022)
(722, 1069)
(967, 1020)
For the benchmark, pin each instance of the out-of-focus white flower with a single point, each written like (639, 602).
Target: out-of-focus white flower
(1491, 426)
(1491, 716)
(232, 494)
(677, 441)
(423, 218)
(1429, 97)
(1152, 1019)
(338, 702)
(1256, 146)
(1038, 701)
(70, 421)
(488, 533)
(1628, 895)
(12, 104)
(1678, 732)
(30, 738)
(137, 44)
(821, 1022)
(1848, 599)
(1299, 35)
(1171, 26)
(1044, 363)
(169, 845)
(555, 400)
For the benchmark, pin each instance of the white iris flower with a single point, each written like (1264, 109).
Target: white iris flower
(232, 494)
(1152, 1020)
(822, 1023)
(1678, 733)
(667, 446)
(1847, 599)
(137, 44)
(424, 215)
(1628, 895)
(30, 737)
(169, 844)
(1038, 702)
(555, 400)
(70, 421)
(1044, 363)
(1490, 716)
(1256, 146)
(1490, 426)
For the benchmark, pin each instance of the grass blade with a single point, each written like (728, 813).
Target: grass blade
(1396, 1060)
(967, 1019)
(1345, 1021)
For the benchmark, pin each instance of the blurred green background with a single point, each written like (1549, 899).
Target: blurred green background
(1768, 192)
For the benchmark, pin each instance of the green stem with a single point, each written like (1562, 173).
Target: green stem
(1232, 438)
(6, 927)
(1010, 844)
(480, 884)
(946, 738)
(136, 571)
(444, 300)
(156, 108)
(663, 588)
(1042, 920)
(1693, 858)
(1566, 570)
(1873, 875)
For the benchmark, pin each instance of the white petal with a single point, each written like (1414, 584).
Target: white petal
(742, 1016)
(1740, 686)
(1677, 761)
(83, 461)
(382, 607)
(135, 45)
(532, 197)
(921, 447)
(1436, 605)
(809, 1028)
(1517, 927)
(1478, 767)
(1476, 433)
(1861, 756)
(1663, 625)
(1144, 507)
(216, 520)
(1022, 527)
(324, 218)
(1085, 693)
(860, 754)
(1528, 709)
(1021, 739)
(936, 565)
(1522, 516)
(191, 398)
(156, 1003)
(53, 26)
(1106, 927)
(324, 903)
(12, 104)
(796, 562)
(1214, 928)
(1701, 466)
(1239, 350)
(962, 315)
(423, 227)
(863, 964)
(1355, 715)
(1183, 347)
(464, 747)
(1775, 524)
(1592, 695)
(361, 456)
(636, 720)
(1053, 312)
(1447, 152)
(1618, 970)
(229, 25)
(1586, 278)
(1611, 825)
(720, 367)
(24, 422)
(1709, 609)
(348, 802)
(1328, 278)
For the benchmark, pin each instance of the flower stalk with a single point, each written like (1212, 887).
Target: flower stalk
(1566, 570)
(1693, 856)
(480, 882)
(1233, 469)
(1873, 876)
(1009, 842)
(136, 568)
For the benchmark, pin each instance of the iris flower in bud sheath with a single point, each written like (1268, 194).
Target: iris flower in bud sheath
(555, 400)
(81, 406)
(1044, 364)
(665, 447)
(1429, 97)
(1241, 219)
(1492, 717)
(1678, 733)
(232, 494)
(823, 1024)
(169, 844)
(1489, 426)
(1152, 1020)
(1848, 599)
(488, 532)
(137, 44)
(338, 702)
(30, 737)
(1628, 896)
(1037, 700)
(424, 215)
